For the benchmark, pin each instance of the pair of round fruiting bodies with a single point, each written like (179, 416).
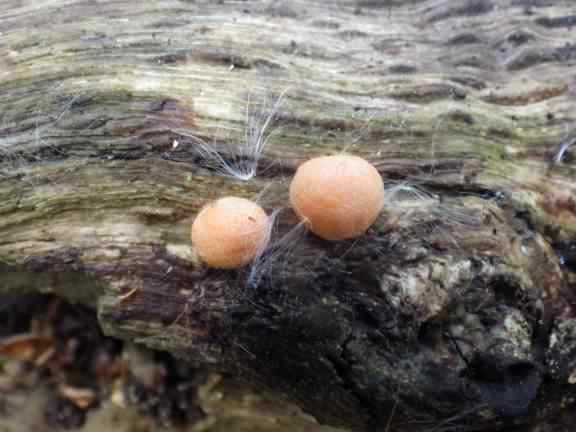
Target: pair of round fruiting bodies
(338, 198)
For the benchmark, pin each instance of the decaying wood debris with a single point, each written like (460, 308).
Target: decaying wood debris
(455, 312)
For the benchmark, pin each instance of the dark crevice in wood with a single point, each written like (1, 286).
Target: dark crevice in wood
(557, 22)
(465, 8)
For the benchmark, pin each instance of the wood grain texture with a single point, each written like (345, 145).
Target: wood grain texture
(454, 312)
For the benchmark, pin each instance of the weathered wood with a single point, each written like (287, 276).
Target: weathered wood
(454, 312)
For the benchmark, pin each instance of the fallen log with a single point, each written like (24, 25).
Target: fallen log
(453, 312)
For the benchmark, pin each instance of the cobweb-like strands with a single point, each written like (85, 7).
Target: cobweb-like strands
(241, 161)
(278, 250)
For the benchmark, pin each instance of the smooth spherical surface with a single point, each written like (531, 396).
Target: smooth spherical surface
(339, 196)
(229, 232)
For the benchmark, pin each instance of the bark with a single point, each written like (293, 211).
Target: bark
(454, 312)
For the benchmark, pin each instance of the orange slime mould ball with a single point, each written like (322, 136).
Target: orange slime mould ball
(229, 233)
(338, 197)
